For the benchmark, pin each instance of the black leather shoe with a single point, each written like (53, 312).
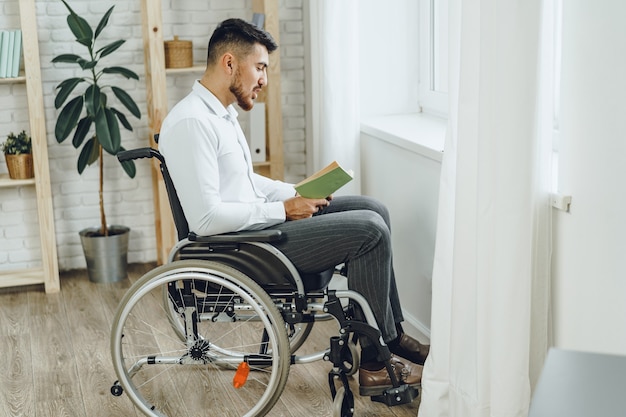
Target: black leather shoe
(411, 349)
(375, 382)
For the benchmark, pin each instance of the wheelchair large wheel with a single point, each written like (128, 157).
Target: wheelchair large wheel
(224, 365)
(296, 333)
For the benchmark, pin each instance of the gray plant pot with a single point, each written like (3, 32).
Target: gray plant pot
(106, 256)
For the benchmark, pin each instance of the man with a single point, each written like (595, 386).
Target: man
(209, 162)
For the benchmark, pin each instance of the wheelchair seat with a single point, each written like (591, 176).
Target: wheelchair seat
(238, 250)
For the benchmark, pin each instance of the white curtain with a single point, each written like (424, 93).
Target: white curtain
(334, 84)
(489, 329)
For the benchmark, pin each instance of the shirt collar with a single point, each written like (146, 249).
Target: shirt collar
(214, 104)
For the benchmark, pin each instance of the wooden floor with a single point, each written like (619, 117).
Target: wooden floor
(55, 360)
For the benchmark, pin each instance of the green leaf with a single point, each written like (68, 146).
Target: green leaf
(127, 101)
(92, 99)
(110, 48)
(66, 88)
(122, 118)
(103, 22)
(129, 166)
(81, 164)
(68, 118)
(81, 131)
(103, 100)
(102, 130)
(81, 29)
(86, 65)
(108, 131)
(120, 70)
(68, 7)
(95, 151)
(88, 155)
(114, 129)
(67, 58)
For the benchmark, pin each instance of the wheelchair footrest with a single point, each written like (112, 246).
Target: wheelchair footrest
(404, 394)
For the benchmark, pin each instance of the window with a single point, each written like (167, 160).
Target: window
(433, 45)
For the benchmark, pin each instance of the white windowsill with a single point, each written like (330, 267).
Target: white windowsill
(416, 132)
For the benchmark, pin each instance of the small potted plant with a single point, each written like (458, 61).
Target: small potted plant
(91, 110)
(18, 154)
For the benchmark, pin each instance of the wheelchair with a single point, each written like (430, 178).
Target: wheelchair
(224, 319)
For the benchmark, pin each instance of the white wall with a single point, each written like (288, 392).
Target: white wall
(589, 289)
(405, 175)
(128, 202)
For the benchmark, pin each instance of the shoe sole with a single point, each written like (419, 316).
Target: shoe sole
(379, 389)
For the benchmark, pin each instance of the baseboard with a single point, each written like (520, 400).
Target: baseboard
(416, 328)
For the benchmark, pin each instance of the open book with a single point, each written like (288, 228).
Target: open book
(324, 182)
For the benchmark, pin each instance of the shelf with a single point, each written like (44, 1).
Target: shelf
(14, 80)
(7, 182)
(188, 70)
(29, 276)
(48, 273)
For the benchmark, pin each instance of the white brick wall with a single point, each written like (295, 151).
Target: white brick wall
(128, 201)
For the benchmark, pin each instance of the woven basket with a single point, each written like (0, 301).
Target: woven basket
(20, 166)
(178, 54)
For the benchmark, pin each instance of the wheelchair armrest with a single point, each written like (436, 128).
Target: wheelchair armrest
(139, 153)
(236, 237)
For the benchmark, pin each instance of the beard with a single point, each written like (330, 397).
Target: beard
(243, 100)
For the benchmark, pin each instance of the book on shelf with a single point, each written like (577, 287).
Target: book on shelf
(9, 56)
(10, 53)
(17, 53)
(4, 52)
(324, 182)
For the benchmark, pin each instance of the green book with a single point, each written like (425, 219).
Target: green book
(9, 54)
(17, 53)
(324, 182)
(4, 52)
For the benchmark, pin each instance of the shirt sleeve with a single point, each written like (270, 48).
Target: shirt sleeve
(190, 147)
(274, 190)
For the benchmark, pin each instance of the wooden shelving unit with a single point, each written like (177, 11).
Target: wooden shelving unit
(154, 58)
(48, 273)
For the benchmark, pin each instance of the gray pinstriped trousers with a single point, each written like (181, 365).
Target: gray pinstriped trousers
(354, 230)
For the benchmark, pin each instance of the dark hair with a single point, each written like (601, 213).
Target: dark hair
(238, 37)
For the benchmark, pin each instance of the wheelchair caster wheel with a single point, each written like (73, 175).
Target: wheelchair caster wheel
(117, 389)
(343, 404)
(352, 362)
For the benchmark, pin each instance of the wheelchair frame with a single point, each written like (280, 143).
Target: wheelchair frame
(233, 303)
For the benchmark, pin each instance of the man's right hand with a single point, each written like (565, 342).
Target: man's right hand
(297, 208)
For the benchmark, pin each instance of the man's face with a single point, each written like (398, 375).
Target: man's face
(250, 76)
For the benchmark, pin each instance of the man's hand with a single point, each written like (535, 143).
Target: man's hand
(297, 208)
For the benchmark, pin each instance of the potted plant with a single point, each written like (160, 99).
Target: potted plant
(18, 155)
(91, 111)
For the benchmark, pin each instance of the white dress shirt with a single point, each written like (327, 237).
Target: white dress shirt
(209, 161)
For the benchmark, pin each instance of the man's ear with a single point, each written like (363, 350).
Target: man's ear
(228, 62)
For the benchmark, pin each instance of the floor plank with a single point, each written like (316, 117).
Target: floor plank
(13, 313)
(17, 393)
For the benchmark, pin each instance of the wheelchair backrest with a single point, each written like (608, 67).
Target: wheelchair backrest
(180, 221)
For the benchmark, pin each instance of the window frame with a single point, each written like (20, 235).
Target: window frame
(430, 100)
